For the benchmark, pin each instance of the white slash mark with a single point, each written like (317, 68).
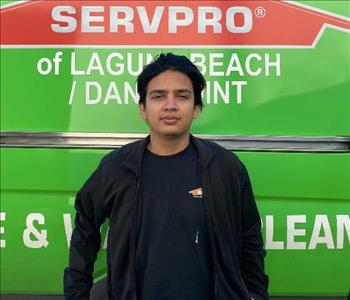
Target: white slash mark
(72, 92)
(67, 221)
(197, 236)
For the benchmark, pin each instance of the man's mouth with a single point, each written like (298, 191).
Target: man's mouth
(169, 119)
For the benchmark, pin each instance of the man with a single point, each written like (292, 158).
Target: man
(183, 223)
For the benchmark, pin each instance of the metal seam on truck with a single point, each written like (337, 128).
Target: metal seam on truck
(230, 142)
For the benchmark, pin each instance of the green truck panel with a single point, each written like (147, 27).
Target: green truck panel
(294, 90)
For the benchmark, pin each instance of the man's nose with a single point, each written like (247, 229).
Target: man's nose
(170, 103)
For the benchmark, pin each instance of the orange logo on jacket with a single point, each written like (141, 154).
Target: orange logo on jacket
(197, 193)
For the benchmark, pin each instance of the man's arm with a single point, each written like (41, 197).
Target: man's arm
(85, 241)
(253, 251)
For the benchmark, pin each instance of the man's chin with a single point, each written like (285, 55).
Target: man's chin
(172, 134)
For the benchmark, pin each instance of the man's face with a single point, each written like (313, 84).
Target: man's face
(169, 108)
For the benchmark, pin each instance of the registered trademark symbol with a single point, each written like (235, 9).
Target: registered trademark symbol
(260, 12)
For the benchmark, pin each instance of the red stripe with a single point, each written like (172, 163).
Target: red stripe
(284, 24)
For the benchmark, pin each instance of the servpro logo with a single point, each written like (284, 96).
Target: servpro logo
(166, 24)
(128, 19)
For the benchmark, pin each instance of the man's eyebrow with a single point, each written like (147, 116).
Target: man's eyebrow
(157, 91)
(160, 91)
(183, 91)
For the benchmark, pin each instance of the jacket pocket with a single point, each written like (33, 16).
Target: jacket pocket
(123, 289)
(231, 286)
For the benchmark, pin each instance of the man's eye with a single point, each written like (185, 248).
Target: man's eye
(184, 96)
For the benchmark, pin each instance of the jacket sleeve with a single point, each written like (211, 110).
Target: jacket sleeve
(86, 239)
(253, 252)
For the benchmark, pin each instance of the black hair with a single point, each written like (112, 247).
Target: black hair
(170, 61)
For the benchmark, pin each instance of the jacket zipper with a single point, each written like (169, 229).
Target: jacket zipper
(133, 237)
(208, 210)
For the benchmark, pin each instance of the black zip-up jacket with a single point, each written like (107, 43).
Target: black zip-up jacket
(113, 192)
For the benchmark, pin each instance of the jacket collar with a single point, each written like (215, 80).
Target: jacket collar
(133, 161)
(205, 154)
(135, 158)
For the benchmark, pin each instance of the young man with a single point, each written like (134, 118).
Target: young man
(183, 223)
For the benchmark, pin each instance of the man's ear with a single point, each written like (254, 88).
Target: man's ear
(196, 111)
(142, 111)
